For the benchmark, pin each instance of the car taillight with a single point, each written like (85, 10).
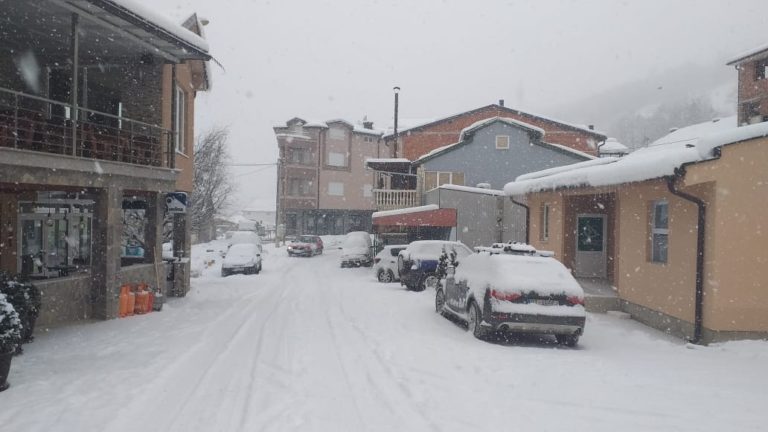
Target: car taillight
(501, 295)
(376, 260)
(576, 300)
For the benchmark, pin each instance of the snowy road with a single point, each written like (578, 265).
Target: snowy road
(307, 346)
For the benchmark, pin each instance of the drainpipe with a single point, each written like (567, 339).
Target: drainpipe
(702, 209)
(527, 218)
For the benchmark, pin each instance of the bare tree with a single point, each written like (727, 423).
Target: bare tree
(212, 187)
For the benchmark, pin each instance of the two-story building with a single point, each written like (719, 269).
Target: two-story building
(96, 126)
(323, 185)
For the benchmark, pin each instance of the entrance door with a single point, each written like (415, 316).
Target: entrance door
(590, 246)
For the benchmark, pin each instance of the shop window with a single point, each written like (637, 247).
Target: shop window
(55, 236)
(133, 241)
(659, 231)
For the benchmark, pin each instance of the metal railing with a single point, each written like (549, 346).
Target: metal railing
(29, 122)
(392, 199)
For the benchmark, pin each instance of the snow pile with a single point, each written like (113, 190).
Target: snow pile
(517, 274)
(432, 249)
(407, 210)
(613, 146)
(648, 163)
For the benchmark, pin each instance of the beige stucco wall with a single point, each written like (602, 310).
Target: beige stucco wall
(354, 177)
(736, 289)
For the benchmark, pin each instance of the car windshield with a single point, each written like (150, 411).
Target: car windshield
(372, 215)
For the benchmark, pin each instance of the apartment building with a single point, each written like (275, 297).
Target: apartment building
(752, 67)
(323, 185)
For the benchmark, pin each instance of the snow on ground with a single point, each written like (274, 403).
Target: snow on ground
(308, 346)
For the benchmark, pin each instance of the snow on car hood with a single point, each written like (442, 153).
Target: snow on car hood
(517, 274)
(238, 260)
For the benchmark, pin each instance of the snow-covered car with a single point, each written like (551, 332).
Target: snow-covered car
(356, 250)
(417, 263)
(519, 292)
(242, 258)
(305, 245)
(385, 263)
(238, 237)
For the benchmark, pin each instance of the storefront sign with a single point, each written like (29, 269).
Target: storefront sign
(176, 202)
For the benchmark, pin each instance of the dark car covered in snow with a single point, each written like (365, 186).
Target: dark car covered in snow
(417, 264)
(518, 292)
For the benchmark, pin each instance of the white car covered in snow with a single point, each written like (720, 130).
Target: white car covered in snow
(518, 292)
(356, 250)
(242, 258)
(385, 263)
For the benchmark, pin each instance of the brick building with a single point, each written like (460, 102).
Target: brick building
(752, 67)
(417, 141)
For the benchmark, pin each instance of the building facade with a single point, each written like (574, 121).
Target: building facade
(96, 126)
(323, 185)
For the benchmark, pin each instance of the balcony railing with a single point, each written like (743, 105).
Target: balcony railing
(392, 199)
(34, 123)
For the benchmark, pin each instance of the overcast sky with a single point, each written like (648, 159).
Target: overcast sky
(325, 59)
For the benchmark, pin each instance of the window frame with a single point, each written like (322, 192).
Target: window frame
(179, 120)
(330, 193)
(545, 220)
(452, 178)
(655, 256)
(761, 69)
(506, 137)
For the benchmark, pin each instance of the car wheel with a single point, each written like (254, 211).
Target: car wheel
(257, 269)
(429, 281)
(439, 301)
(384, 276)
(568, 340)
(475, 320)
(224, 273)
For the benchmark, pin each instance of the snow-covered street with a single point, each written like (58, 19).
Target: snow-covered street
(308, 346)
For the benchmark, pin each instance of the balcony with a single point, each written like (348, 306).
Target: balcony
(392, 199)
(29, 122)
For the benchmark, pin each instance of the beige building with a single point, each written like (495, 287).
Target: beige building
(676, 228)
(323, 185)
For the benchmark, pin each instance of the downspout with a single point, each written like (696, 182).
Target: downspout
(702, 209)
(527, 218)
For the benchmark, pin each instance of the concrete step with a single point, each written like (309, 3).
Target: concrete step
(601, 304)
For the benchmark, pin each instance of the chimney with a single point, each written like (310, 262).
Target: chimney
(368, 124)
(591, 127)
(501, 102)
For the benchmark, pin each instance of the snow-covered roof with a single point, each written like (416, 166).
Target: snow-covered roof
(654, 161)
(691, 133)
(387, 160)
(148, 14)
(428, 207)
(749, 54)
(484, 191)
(482, 123)
(356, 128)
(613, 146)
(582, 128)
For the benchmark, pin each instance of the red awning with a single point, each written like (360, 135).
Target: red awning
(434, 218)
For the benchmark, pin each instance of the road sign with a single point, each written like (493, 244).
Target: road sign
(176, 202)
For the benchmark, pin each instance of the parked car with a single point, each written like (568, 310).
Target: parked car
(519, 292)
(385, 263)
(418, 262)
(305, 245)
(238, 237)
(242, 258)
(356, 250)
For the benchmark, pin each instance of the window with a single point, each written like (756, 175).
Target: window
(179, 115)
(336, 133)
(751, 112)
(300, 156)
(659, 231)
(337, 159)
(433, 179)
(299, 187)
(761, 69)
(335, 189)
(502, 142)
(544, 234)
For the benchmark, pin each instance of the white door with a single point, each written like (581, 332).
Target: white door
(590, 246)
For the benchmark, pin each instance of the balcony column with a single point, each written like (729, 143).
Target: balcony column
(75, 47)
(106, 251)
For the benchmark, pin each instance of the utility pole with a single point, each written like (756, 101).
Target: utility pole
(397, 94)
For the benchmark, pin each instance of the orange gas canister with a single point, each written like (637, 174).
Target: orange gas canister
(123, 309)
(151, 303)
(142, 300)
(131, 303)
